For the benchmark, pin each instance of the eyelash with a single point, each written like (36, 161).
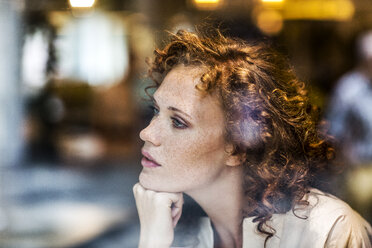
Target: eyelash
(154, 110)
(176, 123)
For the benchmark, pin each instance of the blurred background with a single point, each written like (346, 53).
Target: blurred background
(72, 75)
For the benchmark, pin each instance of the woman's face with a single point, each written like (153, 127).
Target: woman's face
(185, 136)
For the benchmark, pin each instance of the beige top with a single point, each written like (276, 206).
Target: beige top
(330, 222)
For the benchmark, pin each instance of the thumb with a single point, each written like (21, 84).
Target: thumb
(176, 210)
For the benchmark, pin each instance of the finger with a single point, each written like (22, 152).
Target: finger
(179, 202)
(175, 211)
(171, 199)
(137, 187)
(177, 206)
(176, 218)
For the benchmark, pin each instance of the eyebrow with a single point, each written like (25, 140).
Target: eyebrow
(172, 108)
(178, 110)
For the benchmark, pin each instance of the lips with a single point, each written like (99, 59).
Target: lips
(148, 161)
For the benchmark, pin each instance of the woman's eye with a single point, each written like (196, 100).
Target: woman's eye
(178, 124)
(155, 110)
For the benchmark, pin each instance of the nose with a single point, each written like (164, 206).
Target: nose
(149, 134)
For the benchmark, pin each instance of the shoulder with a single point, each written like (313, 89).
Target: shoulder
(321, 203)
(342, 226)
(325, 222)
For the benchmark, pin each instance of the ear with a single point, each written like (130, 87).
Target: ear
(233, 160)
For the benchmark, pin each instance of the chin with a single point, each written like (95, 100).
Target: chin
(158, 185)
(149, 183)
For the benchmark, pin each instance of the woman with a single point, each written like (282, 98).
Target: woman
(233, 129)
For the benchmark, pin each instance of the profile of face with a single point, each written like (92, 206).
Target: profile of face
(185, 138)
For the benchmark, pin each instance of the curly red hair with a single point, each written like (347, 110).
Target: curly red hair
(269, 119)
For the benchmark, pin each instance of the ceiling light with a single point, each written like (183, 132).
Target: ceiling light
(81, 3)
(272, 1)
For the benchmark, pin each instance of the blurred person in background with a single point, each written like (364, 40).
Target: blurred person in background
(350, 117)
(233, 129)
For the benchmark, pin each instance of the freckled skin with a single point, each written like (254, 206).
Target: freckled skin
(190, 158)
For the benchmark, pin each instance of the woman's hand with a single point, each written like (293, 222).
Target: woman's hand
(159, 213)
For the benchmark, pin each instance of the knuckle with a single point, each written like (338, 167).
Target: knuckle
(134, 188)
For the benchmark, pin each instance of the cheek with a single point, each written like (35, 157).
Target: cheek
(196, 149)
(195, 161)
(189, 162)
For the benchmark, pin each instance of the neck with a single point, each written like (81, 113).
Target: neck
(222, 202)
